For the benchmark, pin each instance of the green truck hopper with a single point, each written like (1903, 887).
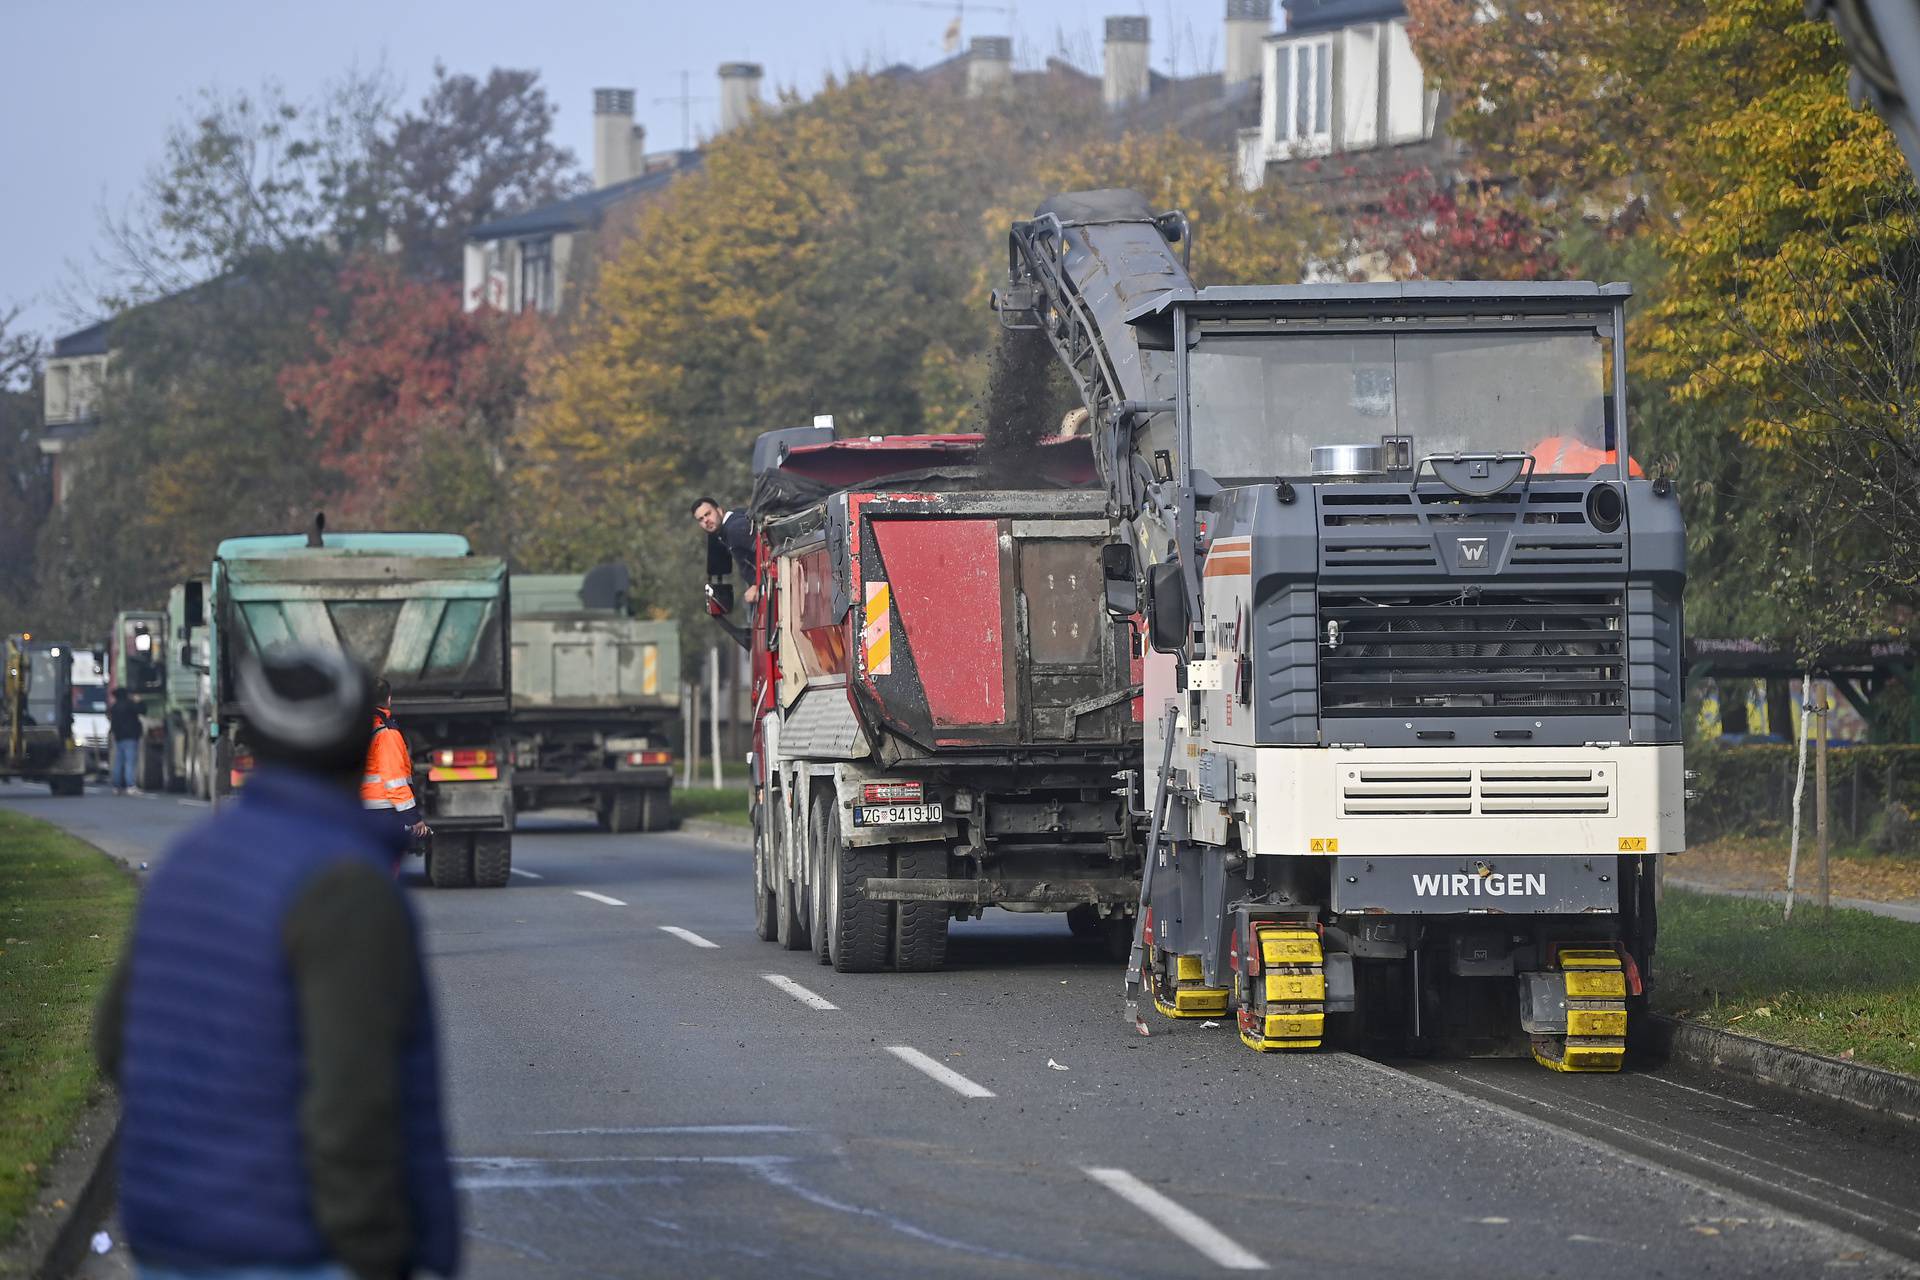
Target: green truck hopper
(420, 610)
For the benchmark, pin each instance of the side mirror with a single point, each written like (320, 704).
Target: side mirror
(1168, 626)
(1122, 576)
(196, 608)
(719, 599)
(186, 655)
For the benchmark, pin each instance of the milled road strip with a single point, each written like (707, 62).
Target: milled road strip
(688, 935)
(939, 1071)
(531, 875)
(1192, 1229)
(808, 998)
(600, 897)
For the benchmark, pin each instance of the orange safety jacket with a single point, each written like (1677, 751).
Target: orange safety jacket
(388, 780)
(1561, 455)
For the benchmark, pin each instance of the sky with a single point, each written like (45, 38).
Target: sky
(88, 90)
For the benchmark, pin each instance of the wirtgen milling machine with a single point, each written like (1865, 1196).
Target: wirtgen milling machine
(1413, 701)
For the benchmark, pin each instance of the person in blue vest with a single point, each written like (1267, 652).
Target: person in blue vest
(269, 1026)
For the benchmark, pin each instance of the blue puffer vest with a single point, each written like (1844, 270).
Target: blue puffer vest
(212, 1162)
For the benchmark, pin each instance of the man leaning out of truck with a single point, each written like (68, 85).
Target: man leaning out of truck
(388, 781)
(735, 532)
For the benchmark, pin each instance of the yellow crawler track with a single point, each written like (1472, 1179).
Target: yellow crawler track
(1180, 990)
(1596, 1037)
(1285, 992)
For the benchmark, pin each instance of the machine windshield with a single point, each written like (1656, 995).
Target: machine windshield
(1260, 403)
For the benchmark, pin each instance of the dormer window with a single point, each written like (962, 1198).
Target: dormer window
(1303, 93)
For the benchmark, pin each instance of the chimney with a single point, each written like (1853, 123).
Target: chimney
(619, 145)
(1126, 79)
(989, 66)
(739, 93)
(1248, 24)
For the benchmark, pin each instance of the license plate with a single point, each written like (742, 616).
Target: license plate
(884, 815)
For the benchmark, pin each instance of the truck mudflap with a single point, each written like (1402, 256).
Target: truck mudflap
(1522, 885)
(1043, 894)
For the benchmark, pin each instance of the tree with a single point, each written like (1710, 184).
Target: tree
(412, 402)
(472, 150)
(1429, 230)
(25, 493)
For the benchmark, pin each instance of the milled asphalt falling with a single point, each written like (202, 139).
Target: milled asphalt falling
(625, 1103)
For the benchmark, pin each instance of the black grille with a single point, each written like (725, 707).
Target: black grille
(1495, 652)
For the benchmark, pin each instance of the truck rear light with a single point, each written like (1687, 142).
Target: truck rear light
(649, 757)
(892, 793)
(464, 757)
(464, 764)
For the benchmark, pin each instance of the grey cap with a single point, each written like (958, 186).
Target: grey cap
(304, 696)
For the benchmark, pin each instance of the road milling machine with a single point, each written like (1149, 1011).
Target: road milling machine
(1413, 691)
(37, 716)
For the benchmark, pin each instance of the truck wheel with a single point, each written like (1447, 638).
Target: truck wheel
(492, 859)
(450, 861)
(764, 904)
(860, 928)
(152, 771)
(791, 926)
(653, 810)
(625, 812)
(1083, 921)
(920, 928)
(817, 819)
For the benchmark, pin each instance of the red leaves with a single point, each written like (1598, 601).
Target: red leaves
(1456, 233)
(401, 372)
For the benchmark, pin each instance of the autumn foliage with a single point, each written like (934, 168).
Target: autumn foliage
(412, 400)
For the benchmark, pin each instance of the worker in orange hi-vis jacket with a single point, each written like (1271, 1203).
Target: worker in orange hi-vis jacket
(1565, 455)
(387, 782)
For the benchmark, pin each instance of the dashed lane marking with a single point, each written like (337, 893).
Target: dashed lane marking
(808, 998)
(939, 1071)
(1192, 1229)
(687, 935)
(531, 875)
(600, 897)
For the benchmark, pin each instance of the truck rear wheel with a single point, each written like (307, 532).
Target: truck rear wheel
(492, 859)
(626, 812)
(790, 926)
(920, 928)
(450, 861)
(860, 938)
(153, 767)
(653, 810)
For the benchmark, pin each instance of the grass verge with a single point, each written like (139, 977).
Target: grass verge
(724, 804)
(64, 908)
(1848, 987)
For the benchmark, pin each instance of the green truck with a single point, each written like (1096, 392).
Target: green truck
(595, 692)
(417, 608)
(37, 719)
(187, 711)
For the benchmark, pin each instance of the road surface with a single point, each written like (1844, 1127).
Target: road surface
(640, 1087)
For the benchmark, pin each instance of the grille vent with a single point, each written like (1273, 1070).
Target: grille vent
(1487, 790)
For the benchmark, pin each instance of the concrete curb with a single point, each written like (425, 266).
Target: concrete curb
(77, 1200)
(1884, 1095)
(719, 832)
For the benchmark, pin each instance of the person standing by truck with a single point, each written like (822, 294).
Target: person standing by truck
(125, 729)
(387, 783)
(270, 1026)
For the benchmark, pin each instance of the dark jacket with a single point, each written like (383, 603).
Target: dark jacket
(736, 534)
(272, 1036)
(123, 719)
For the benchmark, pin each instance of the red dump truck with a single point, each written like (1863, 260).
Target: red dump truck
(944, 712)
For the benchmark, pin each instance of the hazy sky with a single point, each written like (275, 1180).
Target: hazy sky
(87, 90)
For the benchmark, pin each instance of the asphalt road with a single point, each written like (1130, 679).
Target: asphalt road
(638, 1087)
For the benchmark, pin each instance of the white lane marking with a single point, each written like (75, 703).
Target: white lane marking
(1194, 1230)
(1732, 1102)
(798, 992)
(531, 875)
(939, 1071)
(688, 935)
(641, 1131)
(600, 897)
